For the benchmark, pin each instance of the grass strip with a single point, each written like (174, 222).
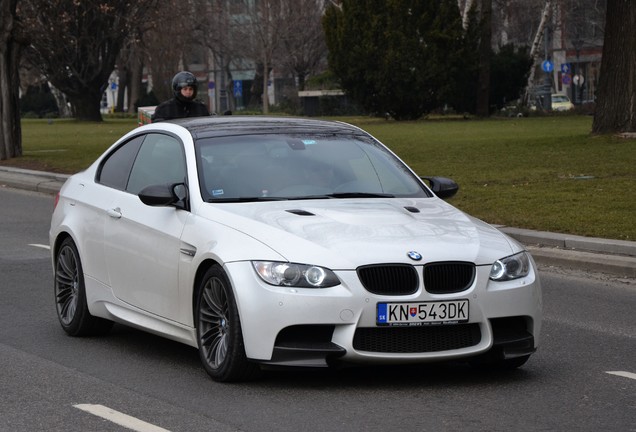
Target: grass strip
(543, 173)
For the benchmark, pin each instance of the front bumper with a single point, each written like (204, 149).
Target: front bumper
(315, 327)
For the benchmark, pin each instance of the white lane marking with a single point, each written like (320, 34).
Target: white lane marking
(120, 418)
(623, 374)
(41, 246)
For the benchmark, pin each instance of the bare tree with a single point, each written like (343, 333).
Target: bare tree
(215, 28)
(76, 44)
(10, 131)
(483, 90)
(130, 71)
(516, 21)
(166, 40)
(616, 101)
(303, 47)
(534, 49)
(259, 33)
(465, 11)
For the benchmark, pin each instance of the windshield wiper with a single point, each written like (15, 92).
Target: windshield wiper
(308, 197)
(343, 195)
(305, 197)
(360, 195)
(245, 199)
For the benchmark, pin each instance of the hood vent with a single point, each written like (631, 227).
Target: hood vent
(412, 209)
(300, 212)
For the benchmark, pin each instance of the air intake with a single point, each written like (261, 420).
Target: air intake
(448, 277)
(389, 279)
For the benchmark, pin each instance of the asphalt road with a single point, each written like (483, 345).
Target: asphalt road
(51, 382)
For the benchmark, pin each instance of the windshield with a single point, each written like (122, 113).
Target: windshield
(296, 166)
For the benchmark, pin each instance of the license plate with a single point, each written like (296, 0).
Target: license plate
(413, 314)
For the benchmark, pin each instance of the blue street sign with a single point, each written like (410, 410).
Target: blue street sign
(566, 79)
(238, 88)
(547, 66)
(566, 68)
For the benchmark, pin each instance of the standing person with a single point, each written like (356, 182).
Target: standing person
(183, 104)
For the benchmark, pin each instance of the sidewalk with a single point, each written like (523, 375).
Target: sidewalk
(612, 257)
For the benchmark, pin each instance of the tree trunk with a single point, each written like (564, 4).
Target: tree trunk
(10, 129)
(300, 76)
(135, 85)
(616, 96)
(265, 90)
(483, 91)
(122, 87)
(466, 13)
(86, 107)
(534, 50)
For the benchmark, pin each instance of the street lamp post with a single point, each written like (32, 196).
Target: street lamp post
(544, 92)
(576, 93)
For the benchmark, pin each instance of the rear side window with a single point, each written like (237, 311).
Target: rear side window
(116, 168)
(151, 159)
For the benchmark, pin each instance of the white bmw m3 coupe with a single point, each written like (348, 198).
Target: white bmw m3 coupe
(286, 242)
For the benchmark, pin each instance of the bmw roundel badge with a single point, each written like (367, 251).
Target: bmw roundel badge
(415, 256)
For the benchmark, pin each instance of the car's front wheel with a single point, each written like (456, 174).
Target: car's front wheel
(70, 294)
(219, 335)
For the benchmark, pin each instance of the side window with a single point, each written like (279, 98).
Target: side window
(160, 161)
(115, 169)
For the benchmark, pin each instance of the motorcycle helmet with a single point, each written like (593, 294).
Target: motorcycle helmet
(181, 80)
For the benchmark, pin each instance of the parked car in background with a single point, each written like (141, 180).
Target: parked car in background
(286, 242)
(561, 102)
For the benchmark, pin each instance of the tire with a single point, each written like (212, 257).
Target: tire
(70, 295)
(219, 334)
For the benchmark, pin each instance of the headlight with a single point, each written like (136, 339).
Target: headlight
(512, 267)
(296, 275)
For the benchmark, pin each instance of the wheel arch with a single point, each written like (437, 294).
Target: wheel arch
(204, 266)
(59, 239)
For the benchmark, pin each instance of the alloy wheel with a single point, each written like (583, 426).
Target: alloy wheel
(67, 281)
(214, 322)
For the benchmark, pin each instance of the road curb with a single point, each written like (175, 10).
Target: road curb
(569, 241)
(38, 181)
(615, 265)
(613, 257)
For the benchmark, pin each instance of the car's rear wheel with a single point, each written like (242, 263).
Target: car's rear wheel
(219, 334)
(70, 294)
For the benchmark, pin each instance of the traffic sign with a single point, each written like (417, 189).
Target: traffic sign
(566, 79)
(547, 66)
(238, 88)
(566, 68)
(578, 80)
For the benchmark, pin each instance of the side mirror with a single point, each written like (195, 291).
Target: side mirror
(165, 195)
(442, 187)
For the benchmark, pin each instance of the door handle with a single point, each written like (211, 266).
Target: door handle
(114, 213)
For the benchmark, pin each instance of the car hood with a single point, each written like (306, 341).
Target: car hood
(344, 234)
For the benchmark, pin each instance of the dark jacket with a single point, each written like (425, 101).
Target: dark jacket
(175, 108)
